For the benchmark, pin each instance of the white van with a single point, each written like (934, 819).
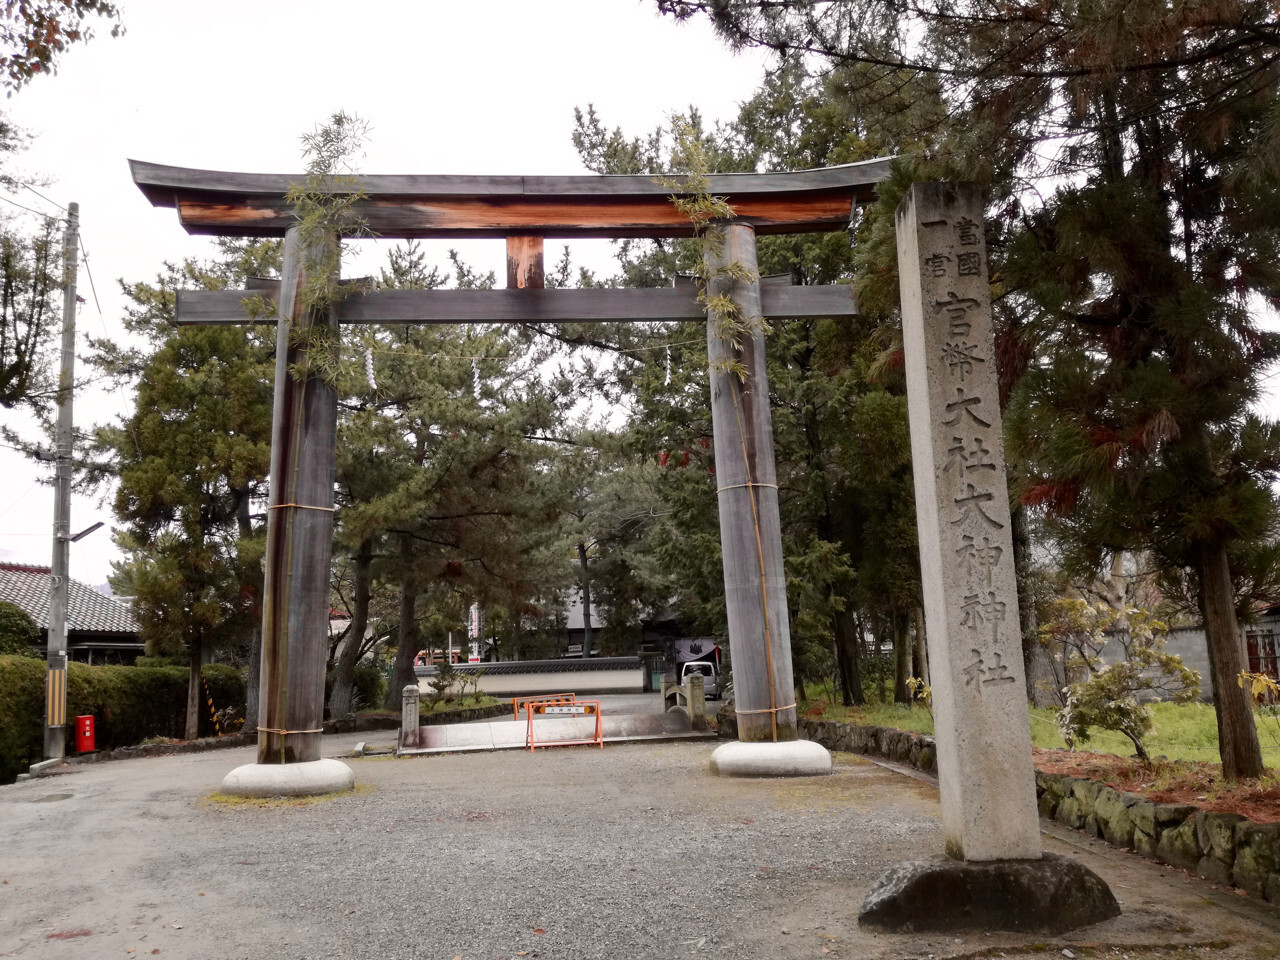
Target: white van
(710, 676)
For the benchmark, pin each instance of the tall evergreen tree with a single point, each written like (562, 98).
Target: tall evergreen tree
(848, 523)
(453, 421)
(190, 462)
(30, 314)
(1131, 150)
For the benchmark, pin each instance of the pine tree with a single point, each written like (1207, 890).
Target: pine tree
(1131, 152)
(452, 425)
(849, 541)
(190, 462)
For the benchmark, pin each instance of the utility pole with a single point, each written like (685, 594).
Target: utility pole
(56, 678)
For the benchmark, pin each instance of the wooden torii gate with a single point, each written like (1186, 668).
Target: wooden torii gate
(523, 211)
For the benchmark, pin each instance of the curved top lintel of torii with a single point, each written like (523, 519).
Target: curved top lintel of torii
(223, 203)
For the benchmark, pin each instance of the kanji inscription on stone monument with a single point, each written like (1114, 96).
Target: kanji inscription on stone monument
(966, 549)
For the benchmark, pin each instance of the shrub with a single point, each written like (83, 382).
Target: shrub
(147, 660)
(1113, 696)
(370, 687)
(128, 704)
(19, 634)
(441, 684)
(21, 714)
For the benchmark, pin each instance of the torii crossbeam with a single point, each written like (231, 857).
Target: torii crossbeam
(524, 211)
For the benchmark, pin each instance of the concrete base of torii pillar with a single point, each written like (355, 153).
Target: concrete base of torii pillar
(307, 779)
(785, 758)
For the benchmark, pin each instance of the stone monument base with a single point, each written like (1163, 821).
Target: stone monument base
(1051, 895)
(785, 758)
(289, 779)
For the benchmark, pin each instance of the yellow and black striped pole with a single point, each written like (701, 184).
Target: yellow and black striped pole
(55, 713)
(213, 714)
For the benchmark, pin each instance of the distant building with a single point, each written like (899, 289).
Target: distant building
(1261, 649)
(100, 629)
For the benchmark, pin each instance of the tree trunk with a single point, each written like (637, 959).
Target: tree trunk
(1237, 732)
(191, 725)
(901, 658)
(406, 642)
(345, 670)
(882, 675)
(252, 680)
(848, 659)
(586, 600)
(920, 659)
(1114, 586)
(1037, 666)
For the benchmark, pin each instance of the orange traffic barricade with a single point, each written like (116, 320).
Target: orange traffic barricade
(519, 703)
(561, 710)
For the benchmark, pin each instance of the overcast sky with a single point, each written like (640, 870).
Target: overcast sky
(486, 86)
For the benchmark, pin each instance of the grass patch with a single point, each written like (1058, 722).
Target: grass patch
(1180, 731)
(228, 802)
(446, 706)
(914, 718)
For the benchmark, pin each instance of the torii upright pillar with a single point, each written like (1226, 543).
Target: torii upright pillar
(295, 605)
(750, 529)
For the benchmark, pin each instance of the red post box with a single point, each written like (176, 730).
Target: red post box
(84, 734)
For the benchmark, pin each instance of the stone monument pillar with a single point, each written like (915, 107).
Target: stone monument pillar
(962, 515)
(750, 529)
(996, 877)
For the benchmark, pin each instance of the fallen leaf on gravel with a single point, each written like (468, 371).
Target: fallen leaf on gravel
(68, 934)
(538, 930)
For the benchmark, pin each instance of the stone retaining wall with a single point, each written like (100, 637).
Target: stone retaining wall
(1225, 848)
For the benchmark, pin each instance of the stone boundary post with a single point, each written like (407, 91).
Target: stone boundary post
(696, 693)
(409, 721)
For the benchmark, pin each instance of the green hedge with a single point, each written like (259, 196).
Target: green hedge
(128, 704)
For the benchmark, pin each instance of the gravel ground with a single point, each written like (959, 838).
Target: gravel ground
(633, 851)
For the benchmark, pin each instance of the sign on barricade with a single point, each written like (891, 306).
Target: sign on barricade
(519, 703)
(562, 710)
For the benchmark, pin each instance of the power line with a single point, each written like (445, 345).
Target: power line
(84, 257)
(42, 196)
(20, 206)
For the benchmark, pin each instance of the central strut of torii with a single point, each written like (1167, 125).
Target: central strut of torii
(524, 211)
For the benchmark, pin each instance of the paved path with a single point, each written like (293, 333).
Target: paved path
(630, 852)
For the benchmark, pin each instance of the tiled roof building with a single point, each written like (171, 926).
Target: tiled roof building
(99, 628)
